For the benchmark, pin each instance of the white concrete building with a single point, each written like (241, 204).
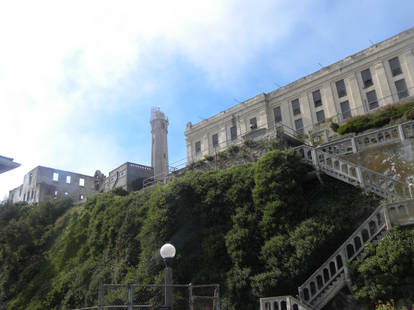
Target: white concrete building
(7, 164)
(377, 76)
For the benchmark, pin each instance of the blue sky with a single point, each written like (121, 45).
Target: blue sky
(78, 79)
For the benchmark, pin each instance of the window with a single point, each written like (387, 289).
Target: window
(296, 107)
(317, 99)
(33, 193)
(198, 147)
(299, 125)
(340, 88)
(402, 90)
(66, 193)
(68, 178)
(233, 133)
(81, 197)
(253, 123)
(56, 193)
(395, 66)
(372, 100)
(55, 176)
(81, 182)
(278, 114)
(24, 197)
(215, 140)
(366, 78)
(30, 179)
(346, 111)
(320, 116)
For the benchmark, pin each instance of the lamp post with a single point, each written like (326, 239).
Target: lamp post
(167, 252)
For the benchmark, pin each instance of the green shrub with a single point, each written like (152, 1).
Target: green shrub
(233, 150)
(377, 119)
(250, 143)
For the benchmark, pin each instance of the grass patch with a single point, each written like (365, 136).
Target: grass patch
(382, 117)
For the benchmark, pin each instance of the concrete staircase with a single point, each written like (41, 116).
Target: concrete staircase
(332, 275)
(354, 174)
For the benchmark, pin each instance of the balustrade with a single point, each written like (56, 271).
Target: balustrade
(408, 129)
(401, 213)
(364, 141)
(282, 303)
(335, 267)
(344, 146)
(353, 174)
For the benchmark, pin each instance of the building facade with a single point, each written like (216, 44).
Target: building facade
(377, 76)
(7, 164)
(42, 183)
(129, 176)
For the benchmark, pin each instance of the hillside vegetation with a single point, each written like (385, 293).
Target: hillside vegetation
(387, 115)
(257, 229)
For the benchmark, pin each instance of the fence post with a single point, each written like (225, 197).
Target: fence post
(315, 158)
(360, 177)
(129, 296)
(216, 303)
(401, 132)
(410, 190)
(387, 218)
(354, 145)
(100, 296)
(190, 296)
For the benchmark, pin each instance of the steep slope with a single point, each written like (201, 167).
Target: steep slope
(255, 229)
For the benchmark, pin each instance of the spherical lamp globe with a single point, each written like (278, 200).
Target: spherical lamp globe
(167, 251)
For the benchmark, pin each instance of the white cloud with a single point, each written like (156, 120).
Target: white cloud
(65, 64)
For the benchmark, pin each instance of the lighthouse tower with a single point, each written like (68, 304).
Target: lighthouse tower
(159, 154)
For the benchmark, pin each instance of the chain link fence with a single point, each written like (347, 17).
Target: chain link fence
(140, 297)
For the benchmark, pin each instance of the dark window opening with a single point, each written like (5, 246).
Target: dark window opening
(233, 133)
(367, 78)
(277, 114)
(296, 107)
(198, 147)
(317, 99)
(372, 100)
(402, 90)
(299, 125)
(215, 140)
(320, 116)
(253, 123)
(340, 88)
(395, 66)
(346, 111)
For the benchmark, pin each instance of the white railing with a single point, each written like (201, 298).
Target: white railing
(361, 142)
(282, 303)
(319, 284)
(354, 174)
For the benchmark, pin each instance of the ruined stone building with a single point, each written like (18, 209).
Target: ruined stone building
(377, 76)
(42, 183)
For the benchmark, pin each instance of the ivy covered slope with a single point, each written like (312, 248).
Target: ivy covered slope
(257, 229)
